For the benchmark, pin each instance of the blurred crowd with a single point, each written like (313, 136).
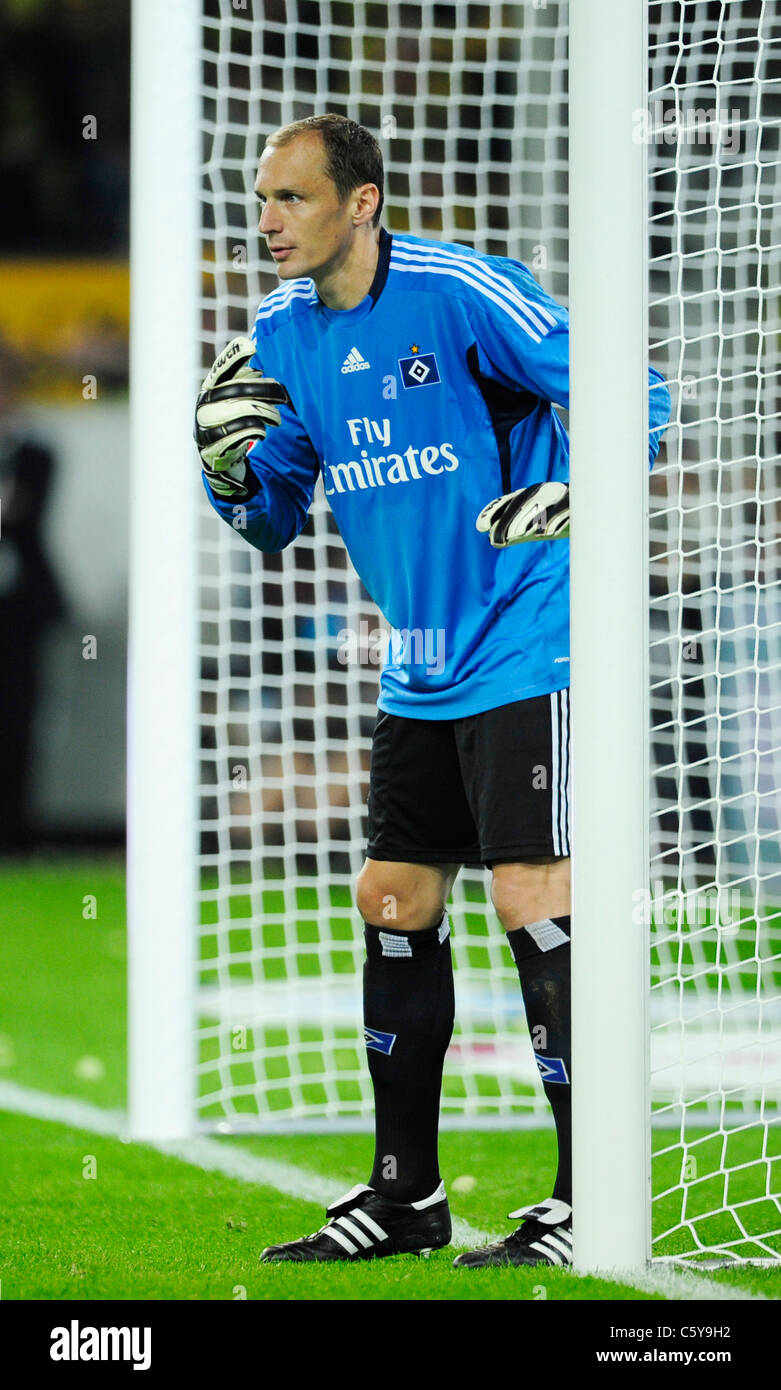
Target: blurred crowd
(64, 181)
(64, 229)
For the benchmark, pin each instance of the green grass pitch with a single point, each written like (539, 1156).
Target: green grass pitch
(88, 1216)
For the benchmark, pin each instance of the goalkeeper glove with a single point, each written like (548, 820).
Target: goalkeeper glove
(236, 404)
(536, 513)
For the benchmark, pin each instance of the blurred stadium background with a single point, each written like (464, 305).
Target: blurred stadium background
(64, 308)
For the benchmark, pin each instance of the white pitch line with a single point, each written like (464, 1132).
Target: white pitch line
(285, 1177)
(213, 1155)
(64, 1110)
(683, 1285)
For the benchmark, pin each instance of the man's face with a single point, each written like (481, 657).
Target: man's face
(307, 229)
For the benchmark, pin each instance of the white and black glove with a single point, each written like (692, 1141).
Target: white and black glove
(536, 513)
(235, 406)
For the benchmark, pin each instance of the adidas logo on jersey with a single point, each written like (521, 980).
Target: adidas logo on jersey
(354, 362)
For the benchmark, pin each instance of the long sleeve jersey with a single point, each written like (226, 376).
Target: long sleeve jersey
(432, 396)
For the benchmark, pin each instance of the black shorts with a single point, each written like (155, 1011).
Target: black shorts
(489, 788)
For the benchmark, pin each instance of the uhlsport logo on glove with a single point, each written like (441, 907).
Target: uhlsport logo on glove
(235, 406)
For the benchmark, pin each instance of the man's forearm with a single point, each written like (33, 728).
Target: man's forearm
(268, 521)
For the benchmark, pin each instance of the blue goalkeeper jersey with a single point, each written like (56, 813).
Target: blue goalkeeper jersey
(432, 396)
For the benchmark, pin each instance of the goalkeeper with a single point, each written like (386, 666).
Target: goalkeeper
(419, 380)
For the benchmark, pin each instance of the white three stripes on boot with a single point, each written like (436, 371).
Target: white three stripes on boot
(346, 1225)
(371, 1225)
(340, 1239)
(339, 1228)
(557, 1245)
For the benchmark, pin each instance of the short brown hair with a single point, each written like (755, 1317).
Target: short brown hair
(352, 155)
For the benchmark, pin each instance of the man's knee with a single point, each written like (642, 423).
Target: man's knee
(408, 897)
(527, 892)
(377, 895)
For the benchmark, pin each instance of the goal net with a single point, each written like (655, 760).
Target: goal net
(712, 126)
(469, 104)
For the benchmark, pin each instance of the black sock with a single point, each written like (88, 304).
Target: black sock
(408, 1007)
(542, 956)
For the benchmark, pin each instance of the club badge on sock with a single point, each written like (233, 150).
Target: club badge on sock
(380, 1042)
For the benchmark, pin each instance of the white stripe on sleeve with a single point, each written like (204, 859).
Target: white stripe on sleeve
(538, 315)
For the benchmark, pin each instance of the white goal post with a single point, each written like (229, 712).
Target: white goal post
(627, 151)
(609, 635)
(162, 660)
